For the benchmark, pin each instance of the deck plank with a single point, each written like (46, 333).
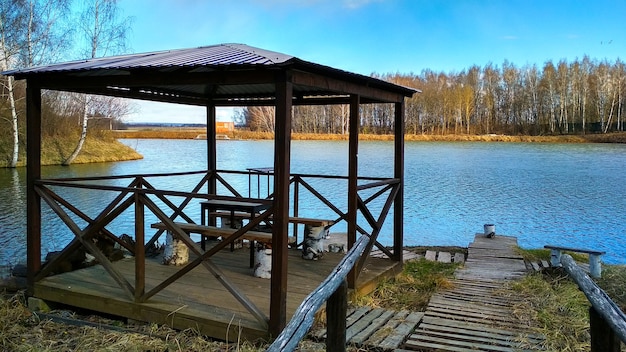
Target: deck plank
(197, 300)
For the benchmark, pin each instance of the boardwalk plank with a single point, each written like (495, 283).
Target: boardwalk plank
(475, 327)
(401, 331)
(508, 338)
(463, 344)
(469, 307)
(492, 340)
(388, 329)
(363, 322)
(374, 325)
(421, 345)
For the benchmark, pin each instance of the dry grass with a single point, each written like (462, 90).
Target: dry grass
(95, 150)
(22, 330)
(613, 281)
(99, 147)
(160, 133)
(535, 255)
(553, 305)
(412, 289)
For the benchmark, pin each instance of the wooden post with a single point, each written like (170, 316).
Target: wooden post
(555, 257)
(280, 234)
(140, 256)
(398, 204)
(33, 173)
(353, 163)
(296, 206)
(211, 147)
(336, 314)
(595, 265)
(603, 338)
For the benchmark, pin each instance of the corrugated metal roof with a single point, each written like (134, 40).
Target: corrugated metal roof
(215, 55)
(185, 76)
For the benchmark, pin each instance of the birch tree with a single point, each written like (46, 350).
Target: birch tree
(31, 33)
(11, 21)
(104, 32)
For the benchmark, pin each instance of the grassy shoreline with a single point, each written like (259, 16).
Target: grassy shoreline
(200, 133)
(97, 149)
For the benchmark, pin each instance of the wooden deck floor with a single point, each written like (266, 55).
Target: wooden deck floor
(198, 300)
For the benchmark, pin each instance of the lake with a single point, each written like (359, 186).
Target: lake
(562, 194)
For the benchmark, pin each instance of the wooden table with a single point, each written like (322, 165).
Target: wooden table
(233, 206)
(267, 171)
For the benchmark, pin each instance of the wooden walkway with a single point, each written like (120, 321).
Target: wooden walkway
(476, 314)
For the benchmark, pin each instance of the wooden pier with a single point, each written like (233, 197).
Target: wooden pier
(476, 315)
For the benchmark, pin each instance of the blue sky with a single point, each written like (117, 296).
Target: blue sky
(386, 36)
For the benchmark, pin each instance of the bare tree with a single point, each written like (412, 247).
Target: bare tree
(31, 33)
(261, 118)
(12, 22)
(104, 33)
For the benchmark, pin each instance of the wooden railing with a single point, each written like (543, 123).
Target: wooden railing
(139, 195)
(606, 320)
(333, 289)
(142, 195)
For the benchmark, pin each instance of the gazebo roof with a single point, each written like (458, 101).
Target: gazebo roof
(226, 74)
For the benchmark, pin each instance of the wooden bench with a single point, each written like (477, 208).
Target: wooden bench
(595, 265)
(292, 219)
(216, 232)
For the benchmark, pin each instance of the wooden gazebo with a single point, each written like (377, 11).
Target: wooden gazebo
(211, 76)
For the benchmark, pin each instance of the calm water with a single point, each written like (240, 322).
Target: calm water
(572, 195)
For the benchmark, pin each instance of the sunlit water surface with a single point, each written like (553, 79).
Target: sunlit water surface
(564, 194)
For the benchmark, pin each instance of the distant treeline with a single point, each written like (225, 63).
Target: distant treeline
(584, 96)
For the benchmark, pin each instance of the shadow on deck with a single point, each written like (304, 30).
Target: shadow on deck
(198, 300)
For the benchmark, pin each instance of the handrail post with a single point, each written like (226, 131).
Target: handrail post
(140, 257)
(296, 206)
(336, 313)
(555, 257)
(595, 265)
(603, 337)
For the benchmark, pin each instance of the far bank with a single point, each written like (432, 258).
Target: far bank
(200, 133)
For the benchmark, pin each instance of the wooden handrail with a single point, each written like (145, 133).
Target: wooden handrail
(303, 318)
(612, 319)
